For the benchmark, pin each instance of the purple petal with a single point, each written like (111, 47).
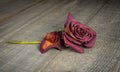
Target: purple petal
(69, 19)
(91, 43)
(72, 39)
(70, 16)
(74, 46)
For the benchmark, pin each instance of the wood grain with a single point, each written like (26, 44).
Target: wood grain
(11, 8)
(33, 22)
(104, 56)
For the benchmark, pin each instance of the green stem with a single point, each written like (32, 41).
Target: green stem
(24, 42)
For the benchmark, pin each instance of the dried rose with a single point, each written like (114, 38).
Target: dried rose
(51, 40)
(78, 35)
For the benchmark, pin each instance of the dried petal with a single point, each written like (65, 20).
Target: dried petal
(51, 40)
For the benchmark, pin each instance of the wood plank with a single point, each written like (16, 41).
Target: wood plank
(108, 20)
(100, 58)
(5, 2)
(11, 8)
(116, 67)
(106, 23)
(104, 56)
(30, 15)
(24, 58)
(19, 57)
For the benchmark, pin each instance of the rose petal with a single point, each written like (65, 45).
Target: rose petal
(51, 40)
(91, 43)
(69, 19)
(72, 39)
(74, 46)
(70, 16)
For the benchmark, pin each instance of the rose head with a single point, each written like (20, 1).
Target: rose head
(51, 40)
(78, 35)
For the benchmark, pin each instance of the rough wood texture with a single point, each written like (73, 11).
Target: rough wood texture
(34, 21)
(10, 8)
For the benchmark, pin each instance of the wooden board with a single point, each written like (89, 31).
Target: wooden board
(104, 56)
(33, 23)
(10, 8)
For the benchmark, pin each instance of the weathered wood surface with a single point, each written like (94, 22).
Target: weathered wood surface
(48, 15)
(10, 8)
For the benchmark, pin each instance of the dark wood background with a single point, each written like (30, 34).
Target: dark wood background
(30, 20)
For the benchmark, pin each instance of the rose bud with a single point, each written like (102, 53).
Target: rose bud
(51, 40)
(78, 35)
